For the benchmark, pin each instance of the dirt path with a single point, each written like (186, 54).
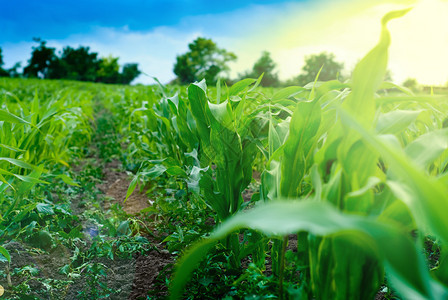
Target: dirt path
(115, 185)
(135, 277)
(142, 270)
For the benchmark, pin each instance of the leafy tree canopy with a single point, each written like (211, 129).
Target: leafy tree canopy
(129, 73)
(75, 64)
(41, 61)
(79, 64)
(313, 63)
(109, 70)
(204, 60)
(265, 65)
(411, 83)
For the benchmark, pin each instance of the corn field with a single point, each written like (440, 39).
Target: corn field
(333, 190)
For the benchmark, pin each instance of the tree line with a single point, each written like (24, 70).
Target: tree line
(72, 64)
(204, 59)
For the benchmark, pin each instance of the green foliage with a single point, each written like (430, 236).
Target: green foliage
(412, 84)
(108, 70)
(42, 61)
(355, 175)
(45, 127)
(129, 73)
(204, 60)
(264, 66)
(355, 179)
(226, 141)
(407, 269)
(75, 64)
(313, 63)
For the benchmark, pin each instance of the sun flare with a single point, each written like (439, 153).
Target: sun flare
(350, 28)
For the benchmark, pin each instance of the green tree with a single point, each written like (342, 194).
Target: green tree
(77, 64)
(108, 71)
(42, 58)
(265, 65)
(412, 84)
(313, 63)
(129, 73)
(3, 72)
(204, 60)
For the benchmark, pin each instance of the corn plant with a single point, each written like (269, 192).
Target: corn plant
(365, 177)
(36, 133)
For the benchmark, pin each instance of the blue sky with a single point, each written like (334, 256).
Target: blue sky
(152, 33)
(56, 19)
(148, 32)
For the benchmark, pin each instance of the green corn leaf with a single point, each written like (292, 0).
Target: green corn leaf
(9, 117)
(277, 134)
(30, 179)
(302, 139)
(427, 198)
(176, 171)
(9, 147)
(395, 121)
(428, 147)
(25, 178)
(5, 253)
(35, 108)
(222, 113)
(389, 85)
(67, 180)
(368, 75)
(257, 83)
(238, 87)
(18, 163)
(214, 198)
(287, 92)
(155, 171)
(45, 209)
(6, 183)
(201, 114)
(131, 187)
(314, 86)
(218, 91)
(403, 261)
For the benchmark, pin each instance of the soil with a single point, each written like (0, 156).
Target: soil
(115, 185)
(135, 277)
(138, 276)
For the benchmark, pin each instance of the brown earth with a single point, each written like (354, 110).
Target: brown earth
(115, 185)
